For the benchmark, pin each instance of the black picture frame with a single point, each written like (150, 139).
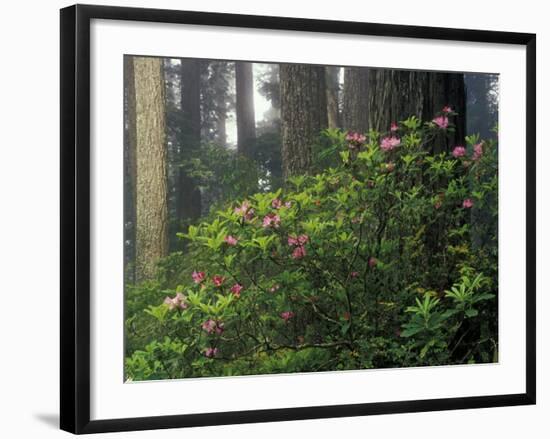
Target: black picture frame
(75, 217)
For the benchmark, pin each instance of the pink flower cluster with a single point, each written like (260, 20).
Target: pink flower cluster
(218, 280)
(467, 203)
(211, 326)
(394, 127)
(459, 151)
(441, 121)
(245, 211)
(287, 315)
(211, 352)
(178, 301)
(478, 151)
(390, 142)
(298, 242)
(236, 290)
(355, 140)
(447, 109)
(277, 203)
(198, 276)
(271, 220)
(230, 240)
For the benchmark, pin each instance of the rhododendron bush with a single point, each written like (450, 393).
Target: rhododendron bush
(386, 259)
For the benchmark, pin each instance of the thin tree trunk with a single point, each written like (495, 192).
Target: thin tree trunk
(356, 105)
(151, 191)
(303, 115)
(333, 89)
(246, 124)
(131, 164)
(188, 195)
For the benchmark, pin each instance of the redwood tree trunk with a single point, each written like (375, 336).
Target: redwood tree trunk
(151, 191)
(395, 95)
(356, 105)
(130, 155)
(246, 124)
(188, 195)
(303, 115)
(333, 91)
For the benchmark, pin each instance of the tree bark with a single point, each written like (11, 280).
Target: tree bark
(151, 191)
(246, 123)
(131, 163)
(333, 90)
(188, 195)
(395, 95)
(303, 114)
(356, 104)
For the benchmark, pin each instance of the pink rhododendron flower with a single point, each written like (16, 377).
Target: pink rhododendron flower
(219, 327)
(373, 262)
(299, 252)
(245, 211)
(355, 140)
(394, 127)
(354, 274)
(287, 315)
(441, 121)
(209, 326)
(467, 203)
(271, 220)
(211, 352)
(178, 301)
(230, 240)
(288, 204)
(276, 203)
(459, 151)
(236, 290)
(298, 240)
(242, 209)
(447, 109)
(198, 276)
(389, 143)
(218, 280)
(478, 151)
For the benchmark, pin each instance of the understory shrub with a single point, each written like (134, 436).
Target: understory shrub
(388, 258)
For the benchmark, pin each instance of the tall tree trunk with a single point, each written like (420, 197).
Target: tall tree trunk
(221, 128)
(356, 105)
(151, 192)
(333, 88)
(130, 156)
(188, 195)
(395, 95)
(303, 114)
(246, 124)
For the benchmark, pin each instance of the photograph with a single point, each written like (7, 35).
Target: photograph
(290, 218)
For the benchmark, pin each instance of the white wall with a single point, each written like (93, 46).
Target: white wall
(29, 219)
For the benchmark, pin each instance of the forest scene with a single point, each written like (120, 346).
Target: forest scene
(284, 218)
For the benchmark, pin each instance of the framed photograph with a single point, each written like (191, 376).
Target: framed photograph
(268, 218)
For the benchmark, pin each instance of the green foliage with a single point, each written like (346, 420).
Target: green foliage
(386, 258)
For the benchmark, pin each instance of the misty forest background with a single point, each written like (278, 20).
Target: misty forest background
(231, 129)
